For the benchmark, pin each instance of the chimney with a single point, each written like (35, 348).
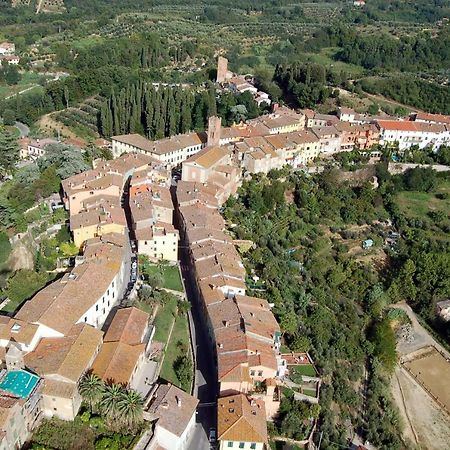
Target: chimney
(275, 106)
(178, 402)
(214, 131)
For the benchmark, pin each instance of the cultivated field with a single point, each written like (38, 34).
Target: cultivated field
(432, 371)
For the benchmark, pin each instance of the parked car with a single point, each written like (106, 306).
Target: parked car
(212, 435)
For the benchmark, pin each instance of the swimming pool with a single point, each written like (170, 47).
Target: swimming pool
(19, 383)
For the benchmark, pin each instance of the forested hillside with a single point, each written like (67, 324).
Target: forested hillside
(328, 301)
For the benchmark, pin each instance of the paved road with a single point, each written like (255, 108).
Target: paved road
(205, 375)
(24, 130)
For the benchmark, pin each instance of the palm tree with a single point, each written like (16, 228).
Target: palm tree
(109, 403)
(91, 389)
(130, 409)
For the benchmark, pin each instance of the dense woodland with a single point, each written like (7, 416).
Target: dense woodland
(384, 51)
(410, 90)
(160, 111)
(326, 300)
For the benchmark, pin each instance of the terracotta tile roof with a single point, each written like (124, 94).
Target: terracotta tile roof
(209, 156)
(68, 357)
(222, 281)
(325, 132)
(17, 330)
(107, 213)
(224, 314)
(116, 361)
(63, 303)
(220, 264)
(241, 419)
(210, 249)
(232, 366)
(56, 388)
(437, 118)
(128, 326)
(190, 192)
(163, 146)
(257, 316)
(209, 293)
(159, 229)
(199, 216)
(403, 125)
(124, 164)
(173, 408)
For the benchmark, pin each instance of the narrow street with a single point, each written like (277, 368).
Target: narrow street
(205, 372)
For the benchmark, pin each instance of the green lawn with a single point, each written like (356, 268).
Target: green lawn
(296, 372)
(325, 57)
(178, 346)
(29, 79)
(418, 204)
(309, 392)
(163, 320)
(170, 274)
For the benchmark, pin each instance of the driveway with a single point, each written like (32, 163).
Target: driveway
(421, 336)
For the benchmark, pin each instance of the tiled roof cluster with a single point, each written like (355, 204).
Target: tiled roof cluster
(243, 329)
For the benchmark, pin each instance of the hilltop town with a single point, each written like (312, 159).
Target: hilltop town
(224, 226)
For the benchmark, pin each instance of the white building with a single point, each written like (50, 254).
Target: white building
(241, 423)
(408, 134)
(7, 48)
(85, 295)
(36, 148)
(173, 150)
(174, 414)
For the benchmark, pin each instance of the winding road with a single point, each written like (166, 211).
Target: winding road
(23, 129)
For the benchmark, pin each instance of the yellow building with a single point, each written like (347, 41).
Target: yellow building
(160, 241)
(97, 222)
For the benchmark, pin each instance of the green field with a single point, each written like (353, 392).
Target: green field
(170, 275)
(325, 57)
(296, 372)
(164, 319)
(29, 81)
(418, 204)
(178, 346)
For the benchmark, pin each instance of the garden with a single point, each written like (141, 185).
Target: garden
(166, 276)
(111, 418)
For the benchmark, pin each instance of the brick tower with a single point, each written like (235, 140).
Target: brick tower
(214, 128)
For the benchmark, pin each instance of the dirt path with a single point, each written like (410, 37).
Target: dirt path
(49, 124)
(380, 98)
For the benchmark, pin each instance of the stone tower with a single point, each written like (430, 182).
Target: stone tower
(214, 128)
(222, 69)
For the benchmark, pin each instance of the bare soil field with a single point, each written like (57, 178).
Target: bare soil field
(432, 371)
(426, 425)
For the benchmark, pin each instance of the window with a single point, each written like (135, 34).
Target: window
(85, 319)
(253, 445)
(230, 444)
(241, 444)
(260, 373)
(96, 307)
